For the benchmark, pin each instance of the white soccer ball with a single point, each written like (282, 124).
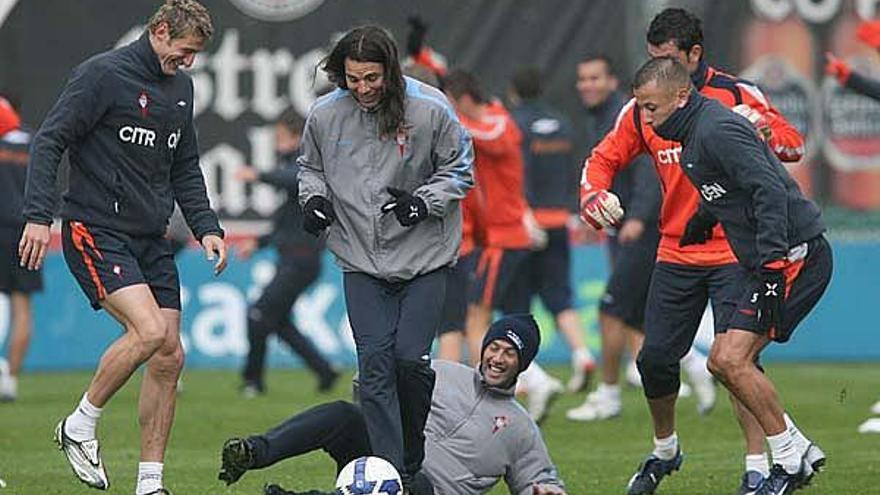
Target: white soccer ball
(369, 475)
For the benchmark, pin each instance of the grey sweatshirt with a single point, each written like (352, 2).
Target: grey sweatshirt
(476, 435)
(345, 161)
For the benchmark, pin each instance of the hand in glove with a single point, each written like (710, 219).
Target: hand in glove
(318, 212)
(771, 300)
(699, 228)
(601, 209)
(408, 209)
(837, 68)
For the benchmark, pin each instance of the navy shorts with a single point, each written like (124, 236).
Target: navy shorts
(677, 298)
(626, 292)
(805, 281)
(14, 278)
(458, 280)
(103, 261)
(497, 273)
(547, 274)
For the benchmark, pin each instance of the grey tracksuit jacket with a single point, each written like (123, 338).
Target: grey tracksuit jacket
(344, 160)
(476, 435)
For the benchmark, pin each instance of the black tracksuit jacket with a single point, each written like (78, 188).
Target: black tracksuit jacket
(287, 234)
(742, 183)
(133, 151)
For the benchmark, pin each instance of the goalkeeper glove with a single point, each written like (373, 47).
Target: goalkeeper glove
(837, 68)
(601, 209)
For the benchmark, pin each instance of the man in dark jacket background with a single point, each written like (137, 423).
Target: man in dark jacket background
(298, 266)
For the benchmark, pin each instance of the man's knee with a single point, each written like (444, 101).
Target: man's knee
(150, 333)
(169, 358)
(724, 364)
(660, 376)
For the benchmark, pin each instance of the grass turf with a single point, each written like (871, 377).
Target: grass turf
(828, 401)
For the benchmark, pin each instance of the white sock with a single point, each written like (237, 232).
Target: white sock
(607, 391)
(9, 385)
(800, 440)
(149, 477)
(759, 463)
(581, 357)
(694, 364)
(82, 421)
(666, 448)
(784, 451)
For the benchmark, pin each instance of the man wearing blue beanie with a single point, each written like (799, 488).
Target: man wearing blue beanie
(476, 433)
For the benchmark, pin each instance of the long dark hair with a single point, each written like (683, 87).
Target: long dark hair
(372, 44)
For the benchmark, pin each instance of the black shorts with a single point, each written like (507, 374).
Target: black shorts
(458, 280)
(805, 281)
(103, 261)
(14, 278)
(677, 298)
(496, 272)
(547, 274)
(626, 292)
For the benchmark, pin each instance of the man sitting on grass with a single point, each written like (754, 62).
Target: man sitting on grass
(476, 431)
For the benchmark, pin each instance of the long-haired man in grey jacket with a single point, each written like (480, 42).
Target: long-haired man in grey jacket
(384, 166)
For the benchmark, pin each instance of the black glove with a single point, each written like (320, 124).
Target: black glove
(771, 303)
(319, 215)
(408, 209)
(699, 228)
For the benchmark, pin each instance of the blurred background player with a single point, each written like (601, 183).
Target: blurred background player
(15, 281)
(551, 173)
(632, 247)
(507, 230)
(389, 201)
(298, 265)
(694, 262)
(115, 220)
(868, 33)
(464, 461)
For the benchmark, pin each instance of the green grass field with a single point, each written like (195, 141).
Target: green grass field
(828, 401)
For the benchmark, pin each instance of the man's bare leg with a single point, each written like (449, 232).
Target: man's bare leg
(732, 361)
(159, 391)
(450, 345)
(582, 362)
(19, 338)
(135, 308)
(157, 402)
(145, 331)
(479, 317)
(22, 324)
(756, 456)
(614, 338)
(604, 402)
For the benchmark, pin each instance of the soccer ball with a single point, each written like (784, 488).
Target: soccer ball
(369, 475)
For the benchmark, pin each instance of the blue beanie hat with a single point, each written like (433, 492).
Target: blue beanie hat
(521, 331)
